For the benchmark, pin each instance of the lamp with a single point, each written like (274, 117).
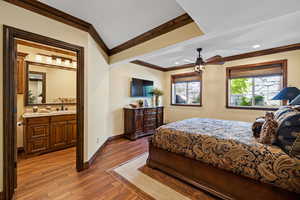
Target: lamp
(288, 93)
(199, 65)
(296, 101)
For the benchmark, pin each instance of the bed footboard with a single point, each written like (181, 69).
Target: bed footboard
(218, 182)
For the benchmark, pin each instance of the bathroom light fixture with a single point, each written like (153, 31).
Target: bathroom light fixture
(74, 64)
(58, 61)
(38, 58)
(67, 62)
(256, 46)
(49, 60)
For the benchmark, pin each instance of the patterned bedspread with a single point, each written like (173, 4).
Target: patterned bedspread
(230, 145)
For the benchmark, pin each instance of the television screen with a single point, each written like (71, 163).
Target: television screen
(141, 88)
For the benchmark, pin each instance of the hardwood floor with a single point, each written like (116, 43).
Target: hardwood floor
(53, 175)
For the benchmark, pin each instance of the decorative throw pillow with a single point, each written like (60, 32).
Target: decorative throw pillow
(268, 133)
(295, 151)
(257, 125)
(289, 130)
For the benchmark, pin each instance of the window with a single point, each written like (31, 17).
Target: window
(186, 89)
(253, 86)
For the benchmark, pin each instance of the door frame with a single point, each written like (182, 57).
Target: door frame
(9, 101)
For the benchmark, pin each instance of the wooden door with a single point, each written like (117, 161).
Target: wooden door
(72, 131)
(58, 134)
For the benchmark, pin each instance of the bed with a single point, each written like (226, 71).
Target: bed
(223, 158)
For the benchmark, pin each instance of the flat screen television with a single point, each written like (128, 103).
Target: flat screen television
(141, 88)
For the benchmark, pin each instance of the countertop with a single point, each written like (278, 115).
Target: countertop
(46, 114)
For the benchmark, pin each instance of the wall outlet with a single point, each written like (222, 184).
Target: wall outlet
(97, 140)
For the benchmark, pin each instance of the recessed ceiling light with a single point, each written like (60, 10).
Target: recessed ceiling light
(176, 63)
(256, 46)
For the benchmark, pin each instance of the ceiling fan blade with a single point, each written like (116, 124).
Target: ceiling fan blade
(216, 60)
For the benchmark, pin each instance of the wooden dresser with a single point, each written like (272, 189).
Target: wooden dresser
(50, 133)
(139, 122)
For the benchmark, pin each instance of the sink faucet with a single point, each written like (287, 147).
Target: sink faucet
(62, 107)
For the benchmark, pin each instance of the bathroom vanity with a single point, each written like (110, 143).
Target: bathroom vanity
(46, 132)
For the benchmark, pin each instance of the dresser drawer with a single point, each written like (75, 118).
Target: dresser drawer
(38, 145)
(149, 128)
(37, 130)
(139, 112)
(38, 120)
(149, 117)
(63, 118)
(150, 111)
(159, 110)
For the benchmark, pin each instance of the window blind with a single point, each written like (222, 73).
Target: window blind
(188, 77)
(268, 70)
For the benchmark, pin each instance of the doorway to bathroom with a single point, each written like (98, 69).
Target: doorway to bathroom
(43, 112)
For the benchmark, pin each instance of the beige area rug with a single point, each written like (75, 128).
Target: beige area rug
(153, 184)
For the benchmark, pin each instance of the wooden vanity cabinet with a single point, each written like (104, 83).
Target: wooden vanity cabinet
(45, 134)
(140, 122)
(72, 132)
(21, 72)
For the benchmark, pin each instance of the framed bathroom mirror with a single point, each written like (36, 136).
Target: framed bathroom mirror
(49, 84)
(36, 87)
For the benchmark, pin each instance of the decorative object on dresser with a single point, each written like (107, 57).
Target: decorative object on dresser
(156, 93)
(139, 122)
(49, 133)
(140, 102)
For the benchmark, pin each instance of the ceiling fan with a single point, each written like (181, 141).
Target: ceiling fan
(200, 62)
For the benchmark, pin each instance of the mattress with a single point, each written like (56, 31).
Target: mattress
(229, 145)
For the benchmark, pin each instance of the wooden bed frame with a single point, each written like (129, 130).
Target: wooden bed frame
(218, 182)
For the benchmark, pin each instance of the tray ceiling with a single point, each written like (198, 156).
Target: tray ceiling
(118, 21)
(233, 27)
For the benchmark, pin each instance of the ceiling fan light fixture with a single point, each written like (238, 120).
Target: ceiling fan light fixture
(199, 64)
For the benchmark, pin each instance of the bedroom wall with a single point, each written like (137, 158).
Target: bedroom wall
(120, 77)
(96, 73)
(214, 90)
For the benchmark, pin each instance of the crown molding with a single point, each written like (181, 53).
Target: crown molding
(190, 65)
(252, 54)
(169, 26)
(46, 48)
(270, 51)
(58, 15)
(53, 13)
(149, 65)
